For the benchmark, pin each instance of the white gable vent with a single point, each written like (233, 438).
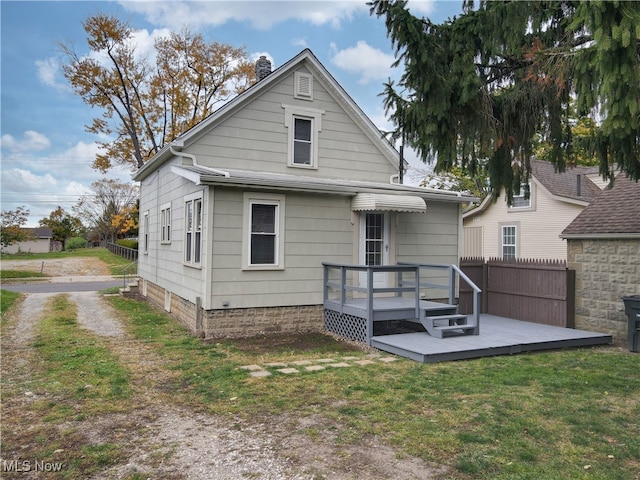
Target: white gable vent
(303, 86)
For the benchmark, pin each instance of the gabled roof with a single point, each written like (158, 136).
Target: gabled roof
(38, 232)
(572, 185)
(614, 214)
(311, 61)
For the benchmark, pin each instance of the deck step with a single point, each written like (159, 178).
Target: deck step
(454, 323)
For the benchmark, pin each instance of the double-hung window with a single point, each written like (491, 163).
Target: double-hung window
(302, 152)
(304, 126)
(193, 229)
(145, 233)
(509, 241)
(165, 223)
(263, 242)
(264, 234)
(523, 199)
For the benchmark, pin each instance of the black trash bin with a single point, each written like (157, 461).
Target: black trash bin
(632, 309)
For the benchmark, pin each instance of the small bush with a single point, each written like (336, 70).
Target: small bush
(75, 243)
(127, 243)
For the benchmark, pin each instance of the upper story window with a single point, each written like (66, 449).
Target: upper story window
(193, 229)
(302, 152)
(304, 125)
(523, 200)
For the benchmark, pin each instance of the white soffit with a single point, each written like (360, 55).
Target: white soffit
(388, 203)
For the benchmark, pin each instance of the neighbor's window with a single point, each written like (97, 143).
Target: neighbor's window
(509, 238)
(523, 200)
(193, 230)
(264, 230)
(165, 223)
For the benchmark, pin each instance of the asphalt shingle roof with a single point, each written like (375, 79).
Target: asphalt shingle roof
(615, 211)
(565, 184)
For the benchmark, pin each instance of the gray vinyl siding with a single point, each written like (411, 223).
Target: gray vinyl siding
(164, 263)
(255, 138)
(431, 238)
(317, 229)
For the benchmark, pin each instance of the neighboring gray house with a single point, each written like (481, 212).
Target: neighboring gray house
(238, 214)
(603, 245)
(39, 241)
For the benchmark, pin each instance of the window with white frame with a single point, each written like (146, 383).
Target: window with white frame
(523, 199)
(263, 242)
(145, 230)
(509, 241)
(302, 153)
(304, 125)
(165, 223)
(193, 229)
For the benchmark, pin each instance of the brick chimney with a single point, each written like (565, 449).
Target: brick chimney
(263, 68)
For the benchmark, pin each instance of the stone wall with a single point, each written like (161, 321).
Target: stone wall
(606, 271)
(236, 322)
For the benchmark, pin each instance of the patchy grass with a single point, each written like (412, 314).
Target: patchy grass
(7, 298)
(560, 414)
(71, 375)
(553, 415)
(115, 262)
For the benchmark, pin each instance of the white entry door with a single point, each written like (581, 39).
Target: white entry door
(374, 245)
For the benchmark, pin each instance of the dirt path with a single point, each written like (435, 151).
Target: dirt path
(171, 441)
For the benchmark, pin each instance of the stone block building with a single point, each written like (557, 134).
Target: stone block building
(603, 247)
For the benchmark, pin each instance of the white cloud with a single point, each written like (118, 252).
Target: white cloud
(261, 14)
(48, 70)
(299, 42)
(31, 141)
(364, 60)
(422, 7)
(42, 183)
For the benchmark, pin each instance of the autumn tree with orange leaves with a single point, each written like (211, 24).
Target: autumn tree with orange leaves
(146, 103)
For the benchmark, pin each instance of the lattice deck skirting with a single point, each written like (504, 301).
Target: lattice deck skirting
(347, 326)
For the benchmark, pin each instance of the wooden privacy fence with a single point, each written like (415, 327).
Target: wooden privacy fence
(540, 291)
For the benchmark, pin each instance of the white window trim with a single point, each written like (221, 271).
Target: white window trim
(165, 224)
(250, 199)
(145, 232)
(522, 194)
(502, 244)
(193, 198)
(313, 114)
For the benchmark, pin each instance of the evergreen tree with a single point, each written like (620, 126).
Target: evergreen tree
(486, 85)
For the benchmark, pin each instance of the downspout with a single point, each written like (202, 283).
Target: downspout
(195, 162)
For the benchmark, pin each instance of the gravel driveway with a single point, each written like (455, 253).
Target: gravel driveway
(192, 445)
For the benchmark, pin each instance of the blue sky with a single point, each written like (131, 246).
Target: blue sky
(46, 153)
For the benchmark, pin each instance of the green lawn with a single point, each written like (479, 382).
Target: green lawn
(570, 414)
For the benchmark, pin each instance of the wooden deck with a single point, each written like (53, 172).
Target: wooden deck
(395, 319)
(498, 336)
